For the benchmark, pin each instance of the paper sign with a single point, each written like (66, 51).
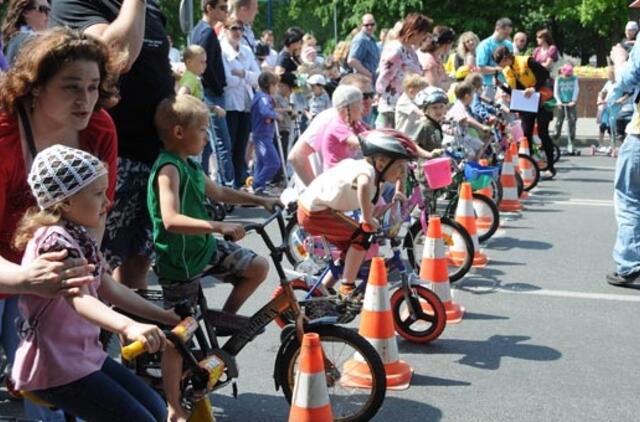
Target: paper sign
(521, 103)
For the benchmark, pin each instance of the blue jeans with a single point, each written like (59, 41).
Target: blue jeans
(626, 252)
(222, 146)
(239, 124)
(111, 394)
(267, 162)
(9, 334)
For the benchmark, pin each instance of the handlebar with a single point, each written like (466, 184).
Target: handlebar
(181, 332)
(259, 228)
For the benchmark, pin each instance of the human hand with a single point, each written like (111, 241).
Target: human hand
(218, 111)
(149, 335)
(399, 196)
(238, 72)
(369, 225)
(269, 203)
(491, 120)
(437, 153)
(233, 230)
(571, 104)
(53, 274)
(529, 92)
(170, 317)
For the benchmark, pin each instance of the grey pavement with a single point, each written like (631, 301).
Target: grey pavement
(544, 338)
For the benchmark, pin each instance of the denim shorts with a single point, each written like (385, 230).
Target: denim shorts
(128, 228)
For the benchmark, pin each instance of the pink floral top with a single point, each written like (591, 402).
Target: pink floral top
(396, 61)
(542, 56)
(432, 63)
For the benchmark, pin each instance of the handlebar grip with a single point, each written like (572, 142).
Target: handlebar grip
(133, 350)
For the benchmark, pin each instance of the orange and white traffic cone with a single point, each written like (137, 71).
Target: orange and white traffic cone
(510, 201)
(376, 325)
(433, 269)
(525, 167)
(310, 400)
(465, 215)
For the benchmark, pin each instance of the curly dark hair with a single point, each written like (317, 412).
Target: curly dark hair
(15, 19)
(43, 56)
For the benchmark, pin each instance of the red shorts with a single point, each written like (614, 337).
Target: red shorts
(339, 230)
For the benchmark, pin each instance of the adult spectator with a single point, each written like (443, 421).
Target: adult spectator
(526, 74)
(289, 57)
(465, 53)
(135, 30)
(24, 18)
(245, 11)
(238, 94)
(484, 55)
(39, 110)
(545, 53)
(341, 54)
(399, 58)
(431, 53)
(306, 163)
(214, 81)
(364, 54)
(382, 38)
(519, 43)
(267, 38)
(630, 34)
(626, 252)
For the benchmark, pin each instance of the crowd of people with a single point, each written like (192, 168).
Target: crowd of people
(112, 140)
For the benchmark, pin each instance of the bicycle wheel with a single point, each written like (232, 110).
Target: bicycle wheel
(488, 217)
(300, 289)
(519, 183)
(295, 235)
(454, 236)
(496, 187)
(556, 153)
(430, 319)
(339, 345)
(536, 172)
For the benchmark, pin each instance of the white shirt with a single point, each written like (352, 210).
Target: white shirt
(336, 188)
(272, 59)
(239, 91)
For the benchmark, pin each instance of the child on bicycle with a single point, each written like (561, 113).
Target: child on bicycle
(183, 232)
(60, 359)
(350, 185)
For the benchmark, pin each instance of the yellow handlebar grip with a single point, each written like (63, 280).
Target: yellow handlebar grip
(132, 350)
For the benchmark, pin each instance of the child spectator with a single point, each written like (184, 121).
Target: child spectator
(332, 74)
(195, 60)
(350, 185)
(407, 114)
(263, 115)
(432, 103)
(60, 358)
(283, 107)
(461, 114)
(566, 91)
(182, 230)
(319, 100)
(603, 116)
(480, 109)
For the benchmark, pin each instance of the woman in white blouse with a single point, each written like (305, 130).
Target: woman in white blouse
(242, 73)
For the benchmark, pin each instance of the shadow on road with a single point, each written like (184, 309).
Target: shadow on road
(542, 210)
(507, 243)
(427, 381)
(487, 281)
(395, 408)
(586, 180)
(487, 354)
(483, 317)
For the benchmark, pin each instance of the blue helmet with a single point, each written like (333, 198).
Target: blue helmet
(429, 96)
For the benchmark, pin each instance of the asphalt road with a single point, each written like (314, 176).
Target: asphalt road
(544, 337)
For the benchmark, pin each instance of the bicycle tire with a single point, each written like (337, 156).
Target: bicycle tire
(436, 320)
(293, 255)
(483, 235)
(285, 318)
(335, 334)
(497, 191)
(536, 172)
(416, 230)
(519, 184)
(556, 153)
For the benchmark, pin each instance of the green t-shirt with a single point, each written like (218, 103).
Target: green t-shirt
(191, 81)
(180, 257)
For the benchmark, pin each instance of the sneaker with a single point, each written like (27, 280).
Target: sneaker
(547, 175)
(616, 279)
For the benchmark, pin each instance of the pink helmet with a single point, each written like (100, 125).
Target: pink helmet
(567, 69)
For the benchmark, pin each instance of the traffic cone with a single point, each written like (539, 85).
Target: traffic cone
(376, 325)
(433, 269)
(510, 202)
(465, 215)
(310, 400)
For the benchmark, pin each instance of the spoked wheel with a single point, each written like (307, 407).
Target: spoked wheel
(486, 213)
(295, 235)
(456, 238)
(428, 319)
(300, 290)
(541, 157)
(496, 191)
(535, 176)
(340, 346)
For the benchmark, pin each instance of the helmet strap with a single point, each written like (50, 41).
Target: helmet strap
(380, 178)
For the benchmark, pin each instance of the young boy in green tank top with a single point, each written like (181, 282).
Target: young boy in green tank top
(182, 230)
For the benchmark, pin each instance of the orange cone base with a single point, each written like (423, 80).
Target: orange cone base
(456, 258)
(357, 375)
(510, 205)
(483, 222)
(300, 414)
(454, 312)
(480, 260)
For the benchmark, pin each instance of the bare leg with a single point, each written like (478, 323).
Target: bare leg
(171, 374)
(352, 264)
(252, 278)
(133, 272)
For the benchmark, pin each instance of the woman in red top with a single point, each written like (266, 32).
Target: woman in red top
(54, 94)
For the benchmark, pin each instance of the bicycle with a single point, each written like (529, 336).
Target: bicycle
(348, 404)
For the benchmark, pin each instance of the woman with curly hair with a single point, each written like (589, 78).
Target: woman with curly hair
(54, 94)
(24, 18)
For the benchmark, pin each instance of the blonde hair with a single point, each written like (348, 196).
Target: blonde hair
(341, 51)
(192, 51)
(180, 110)
(474, 79)
(461, 49)
(414, 81)
(32, 220)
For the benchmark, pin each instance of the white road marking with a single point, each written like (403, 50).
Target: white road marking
(575, 295)
(577, 202)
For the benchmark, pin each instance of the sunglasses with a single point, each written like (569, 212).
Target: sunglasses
(369, 24)
(237, 28)
(368, 95)
(43, 8)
